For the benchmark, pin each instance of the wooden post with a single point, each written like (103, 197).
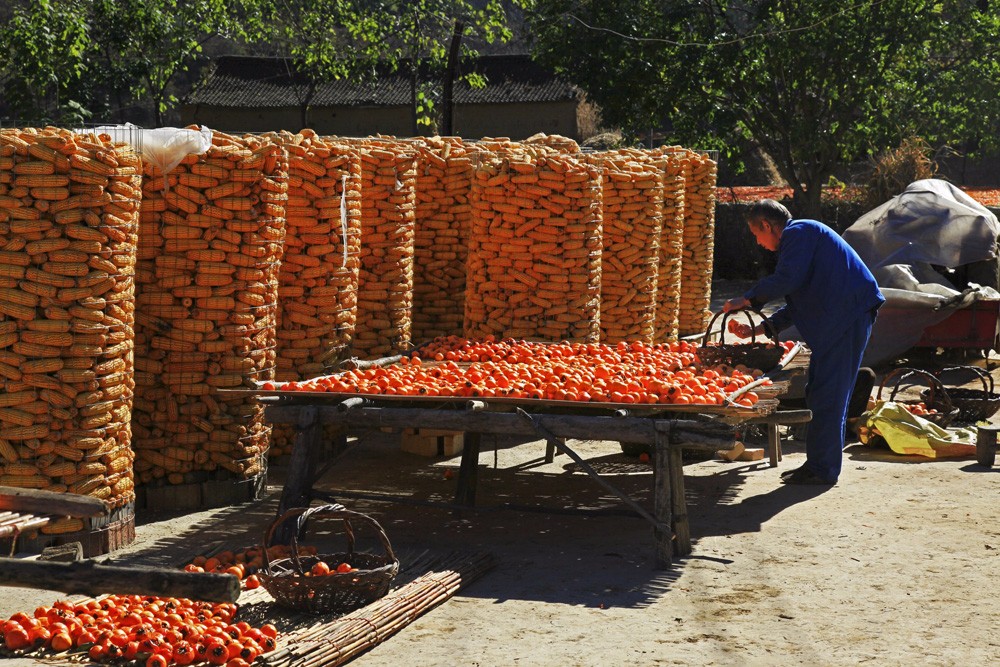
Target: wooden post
(468, 472)
(986, 445)
(663, 502)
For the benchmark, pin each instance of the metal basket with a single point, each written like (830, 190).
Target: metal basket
(764, 356)
(936, 396)
(285, 579)
(973, 404)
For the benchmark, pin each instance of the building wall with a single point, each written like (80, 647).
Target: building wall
(472, 121)
(516, 121)
(343, 121)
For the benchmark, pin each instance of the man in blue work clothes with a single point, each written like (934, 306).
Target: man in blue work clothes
(832, 298)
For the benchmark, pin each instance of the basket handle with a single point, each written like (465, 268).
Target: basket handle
(725, 317)
(301, 515)
(982, 375)
(934, 385)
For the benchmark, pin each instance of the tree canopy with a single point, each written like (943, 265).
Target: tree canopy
(813, 84)
(75, 60)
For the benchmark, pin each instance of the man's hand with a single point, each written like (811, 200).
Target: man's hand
(736, 303)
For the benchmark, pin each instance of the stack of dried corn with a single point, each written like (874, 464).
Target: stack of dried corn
(444, 179)
(668, 295)
(319, 270)
(68, 231)
(534, 267)
(555, 141)
(633, 217)
(210, 245)
(699, 245)
(385, 283)
(318, 283)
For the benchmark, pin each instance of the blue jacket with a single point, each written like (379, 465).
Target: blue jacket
(825, 284)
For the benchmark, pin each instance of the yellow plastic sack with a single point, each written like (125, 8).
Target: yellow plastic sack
(908, 434)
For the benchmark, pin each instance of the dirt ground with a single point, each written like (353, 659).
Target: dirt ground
(895, 565)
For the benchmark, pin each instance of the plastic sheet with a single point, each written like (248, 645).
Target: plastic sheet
(908, 434)
(164, 147)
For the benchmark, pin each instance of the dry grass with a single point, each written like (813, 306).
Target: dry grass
(892, 170)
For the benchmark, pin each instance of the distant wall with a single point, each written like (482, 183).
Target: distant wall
(516, 121)
(472, 121)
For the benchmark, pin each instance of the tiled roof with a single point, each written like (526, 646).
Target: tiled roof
(244, 81)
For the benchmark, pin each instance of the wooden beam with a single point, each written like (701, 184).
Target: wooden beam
(37, 501)
(90, 578)
(692, 434)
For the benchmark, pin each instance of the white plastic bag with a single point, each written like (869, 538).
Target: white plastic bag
(163, 146)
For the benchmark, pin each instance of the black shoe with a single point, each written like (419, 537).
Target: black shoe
(805, 476)
(789, 473)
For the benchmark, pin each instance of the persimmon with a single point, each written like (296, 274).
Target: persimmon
(16, 638)
(61, 641)
(156, 660)
(319, 569)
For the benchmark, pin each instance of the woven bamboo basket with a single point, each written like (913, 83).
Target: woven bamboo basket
(337, 593)
(935, 396)
(973, 404)
(763, 355)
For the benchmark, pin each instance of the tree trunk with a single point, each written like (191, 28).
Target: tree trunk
(413, 97)
(448, 103)
(307, 103)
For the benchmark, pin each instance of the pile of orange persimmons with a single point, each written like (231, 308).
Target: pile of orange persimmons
(636, 373)
(141, 629)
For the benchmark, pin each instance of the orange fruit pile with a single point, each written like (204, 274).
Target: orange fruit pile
(628, 372)
(140, 629)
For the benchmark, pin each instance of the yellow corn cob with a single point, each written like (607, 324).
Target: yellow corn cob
(25, 481)
(8, 452)
(63, 526)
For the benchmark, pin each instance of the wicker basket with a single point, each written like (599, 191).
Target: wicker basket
(753, 354)
(973, 404)
(339, 593)
(936, 396)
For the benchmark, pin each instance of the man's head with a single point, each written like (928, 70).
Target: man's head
(767, 219)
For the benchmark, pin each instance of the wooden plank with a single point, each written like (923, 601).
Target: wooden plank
(90, 578)
(37, 501)
(693, 434)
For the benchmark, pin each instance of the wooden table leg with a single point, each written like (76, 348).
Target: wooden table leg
(774, 443)
(302, 466)
(679, 518)
(468, 472)
(663, 503)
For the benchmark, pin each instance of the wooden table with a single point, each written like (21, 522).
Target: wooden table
(667, 430)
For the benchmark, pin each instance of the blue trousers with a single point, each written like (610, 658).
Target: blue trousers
(831, 378)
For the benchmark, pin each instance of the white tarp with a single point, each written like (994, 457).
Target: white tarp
(930, 224)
